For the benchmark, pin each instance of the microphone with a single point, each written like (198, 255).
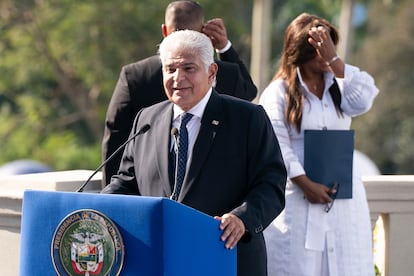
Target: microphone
(142, 130)
(175, 134)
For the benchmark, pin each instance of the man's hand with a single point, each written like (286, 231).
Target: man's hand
(216, 31)
(233, 229)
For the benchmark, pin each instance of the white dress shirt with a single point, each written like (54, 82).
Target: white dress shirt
(193, 126)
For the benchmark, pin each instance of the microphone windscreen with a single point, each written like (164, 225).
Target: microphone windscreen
(174, 131)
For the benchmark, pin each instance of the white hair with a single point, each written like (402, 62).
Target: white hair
(189, 41)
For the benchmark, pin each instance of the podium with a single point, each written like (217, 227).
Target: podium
(66, 233)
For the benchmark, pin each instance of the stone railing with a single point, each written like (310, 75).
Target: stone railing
(392, 198)
(389, 197)
(11, 196)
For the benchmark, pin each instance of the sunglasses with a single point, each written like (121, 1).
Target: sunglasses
(329, 205)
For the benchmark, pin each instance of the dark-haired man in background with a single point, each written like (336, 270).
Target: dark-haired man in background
(140, 83)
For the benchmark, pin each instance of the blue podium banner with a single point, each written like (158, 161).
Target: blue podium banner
(64, 233)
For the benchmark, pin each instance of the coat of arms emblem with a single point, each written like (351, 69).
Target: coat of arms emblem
(87, 243)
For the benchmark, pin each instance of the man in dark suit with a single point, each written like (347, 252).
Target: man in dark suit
(234, 169)
(140, 83)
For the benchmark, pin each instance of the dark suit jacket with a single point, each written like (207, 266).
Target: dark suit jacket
(236, 167)
(140, 85)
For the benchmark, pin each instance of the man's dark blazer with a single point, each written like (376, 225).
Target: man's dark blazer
(140, 85)
(236, 167)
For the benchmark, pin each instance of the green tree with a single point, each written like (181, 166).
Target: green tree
(60, 62)
(284, 11)
(385, 133)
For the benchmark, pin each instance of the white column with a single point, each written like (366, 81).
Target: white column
(260, 49)
(345, 29)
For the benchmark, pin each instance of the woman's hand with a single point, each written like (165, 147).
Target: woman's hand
(313, 192)
(321, 40)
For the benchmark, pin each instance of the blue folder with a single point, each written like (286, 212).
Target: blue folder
(328, 158)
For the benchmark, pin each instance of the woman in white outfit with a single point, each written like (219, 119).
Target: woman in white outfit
(315, 89)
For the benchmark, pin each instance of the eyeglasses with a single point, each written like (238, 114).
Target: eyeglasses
(329, 205)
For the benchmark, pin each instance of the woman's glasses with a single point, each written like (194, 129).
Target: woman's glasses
(329, 205)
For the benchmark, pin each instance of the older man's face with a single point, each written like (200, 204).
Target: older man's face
(186, 80)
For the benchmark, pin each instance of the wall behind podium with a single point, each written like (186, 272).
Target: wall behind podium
(11, 195)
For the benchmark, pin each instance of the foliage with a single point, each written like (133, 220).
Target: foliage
(283, 13)
(60, 60)
(377, 271)
(385, 133)
(60, 63)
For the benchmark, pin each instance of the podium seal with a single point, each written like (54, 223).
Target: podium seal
(86, 242)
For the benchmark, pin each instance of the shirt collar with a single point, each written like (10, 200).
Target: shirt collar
(197, 110)
(328, 76)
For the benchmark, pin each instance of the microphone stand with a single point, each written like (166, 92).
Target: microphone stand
(142, 130)
(175, 133)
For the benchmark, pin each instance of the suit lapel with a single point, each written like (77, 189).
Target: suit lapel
(210, 126)
(162, 130)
